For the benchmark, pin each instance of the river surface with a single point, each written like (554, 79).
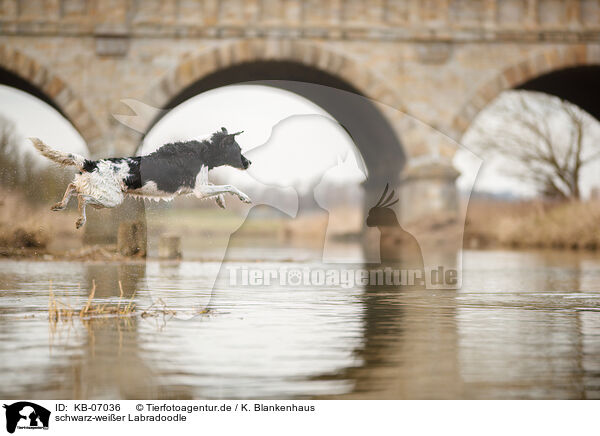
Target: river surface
(523, 325)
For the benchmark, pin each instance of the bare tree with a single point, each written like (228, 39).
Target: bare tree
(37, 182)
(546, 139)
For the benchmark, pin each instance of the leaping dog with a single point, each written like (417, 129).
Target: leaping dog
(180, 168)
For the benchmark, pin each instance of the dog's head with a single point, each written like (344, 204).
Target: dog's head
(226, 150)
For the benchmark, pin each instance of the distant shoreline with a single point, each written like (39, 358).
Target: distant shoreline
(533, 224)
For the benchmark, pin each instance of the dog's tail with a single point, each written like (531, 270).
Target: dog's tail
(61, 158)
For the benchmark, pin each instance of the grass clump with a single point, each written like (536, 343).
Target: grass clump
(59, 311)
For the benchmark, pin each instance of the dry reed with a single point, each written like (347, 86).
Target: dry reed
(59, 311)
(534, 224)
(123, 309)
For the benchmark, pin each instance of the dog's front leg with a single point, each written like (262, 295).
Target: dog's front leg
(206, 191)
(202, 179)
(81, 203)
(65, 200)
(220, 200)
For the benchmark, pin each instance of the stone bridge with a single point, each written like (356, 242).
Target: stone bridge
(427, 67)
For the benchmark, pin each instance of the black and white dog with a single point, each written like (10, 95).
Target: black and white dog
(180, 168)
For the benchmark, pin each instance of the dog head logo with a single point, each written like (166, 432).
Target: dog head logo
(26, 415)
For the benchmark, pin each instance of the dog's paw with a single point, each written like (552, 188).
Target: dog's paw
(244, 198)
(57, 207)
(79, 223)
(220, 199)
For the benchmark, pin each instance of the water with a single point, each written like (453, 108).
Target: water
(524, 325)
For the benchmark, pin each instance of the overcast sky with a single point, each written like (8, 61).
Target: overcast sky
(293, 141)
(34, 117)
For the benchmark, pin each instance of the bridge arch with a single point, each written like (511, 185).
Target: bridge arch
(310, 54)
(25, 73)
(538, 72)
(294, 66)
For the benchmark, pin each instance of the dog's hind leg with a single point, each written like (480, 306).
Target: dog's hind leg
(81, 208)
(65, 200)
(83, 201)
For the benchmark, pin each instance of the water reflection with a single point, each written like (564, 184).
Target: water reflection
(409, 346)
(524, 325)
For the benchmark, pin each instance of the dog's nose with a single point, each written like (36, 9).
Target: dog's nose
(247, 163)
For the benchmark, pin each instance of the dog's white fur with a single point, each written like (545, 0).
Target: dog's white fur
(105, 188)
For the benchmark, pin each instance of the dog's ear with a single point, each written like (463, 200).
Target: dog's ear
(227, 140)
(224, 130)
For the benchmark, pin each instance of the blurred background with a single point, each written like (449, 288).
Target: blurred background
(482, 117)
(420, 113)
(538, 154)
